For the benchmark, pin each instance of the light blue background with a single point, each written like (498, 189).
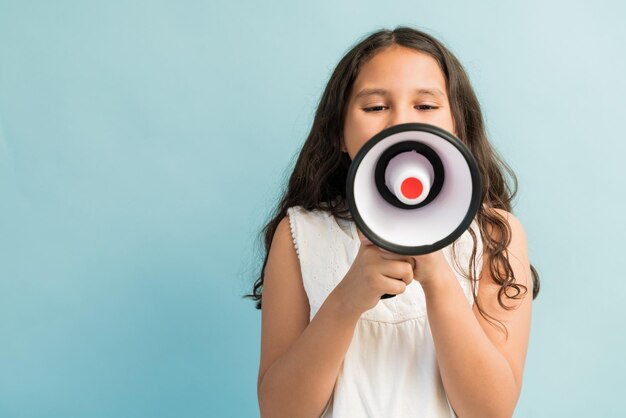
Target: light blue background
(143, 144)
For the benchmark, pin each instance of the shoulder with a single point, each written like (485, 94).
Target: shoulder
(303, 222)
(297, 214)
(299, 211)
(512, 220)
(517, 241)
(511, 248)
(282, 241)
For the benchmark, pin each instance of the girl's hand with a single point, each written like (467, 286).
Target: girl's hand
(429, 267)
(426, 267)
(374, 272)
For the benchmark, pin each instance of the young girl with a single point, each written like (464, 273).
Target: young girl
(453, 341)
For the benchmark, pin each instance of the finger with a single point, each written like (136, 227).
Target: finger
(399, 270)
(398, 257)
(394, 286)
(413, 262)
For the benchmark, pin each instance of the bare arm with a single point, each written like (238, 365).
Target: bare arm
(480, 369)
(300, 361)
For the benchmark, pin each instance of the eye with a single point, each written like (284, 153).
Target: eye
(426, 107)
(374, 108)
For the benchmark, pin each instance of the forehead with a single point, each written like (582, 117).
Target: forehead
(400, 68)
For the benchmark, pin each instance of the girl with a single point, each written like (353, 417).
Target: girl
(453, 341)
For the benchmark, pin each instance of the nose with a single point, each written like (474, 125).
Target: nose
(399, 115)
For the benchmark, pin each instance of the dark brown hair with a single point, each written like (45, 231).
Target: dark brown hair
(319, 176)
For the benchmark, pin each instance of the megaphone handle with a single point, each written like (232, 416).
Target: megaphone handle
(387, 296)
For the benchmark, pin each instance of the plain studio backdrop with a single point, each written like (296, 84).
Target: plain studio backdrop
(143, 145)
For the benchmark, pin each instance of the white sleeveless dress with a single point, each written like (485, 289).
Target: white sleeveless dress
(390, 369)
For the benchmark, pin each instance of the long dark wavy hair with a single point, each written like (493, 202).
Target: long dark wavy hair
(319, 177)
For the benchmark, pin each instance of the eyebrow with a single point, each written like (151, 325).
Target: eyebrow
(435, 92)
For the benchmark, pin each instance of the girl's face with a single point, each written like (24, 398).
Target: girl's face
(397, 85)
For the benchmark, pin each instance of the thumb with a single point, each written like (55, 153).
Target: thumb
(366, 242)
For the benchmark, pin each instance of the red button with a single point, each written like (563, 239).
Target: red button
(411, 188)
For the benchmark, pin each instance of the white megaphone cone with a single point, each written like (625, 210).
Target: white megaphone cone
(413, 189)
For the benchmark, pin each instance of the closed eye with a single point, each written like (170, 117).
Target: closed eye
(374, 108)
(380, 108)
(426, 107)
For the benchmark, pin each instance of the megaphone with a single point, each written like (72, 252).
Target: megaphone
(413, 189)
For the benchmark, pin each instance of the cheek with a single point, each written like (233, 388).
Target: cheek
(444, 121)
(357, 131)
(449, 123)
